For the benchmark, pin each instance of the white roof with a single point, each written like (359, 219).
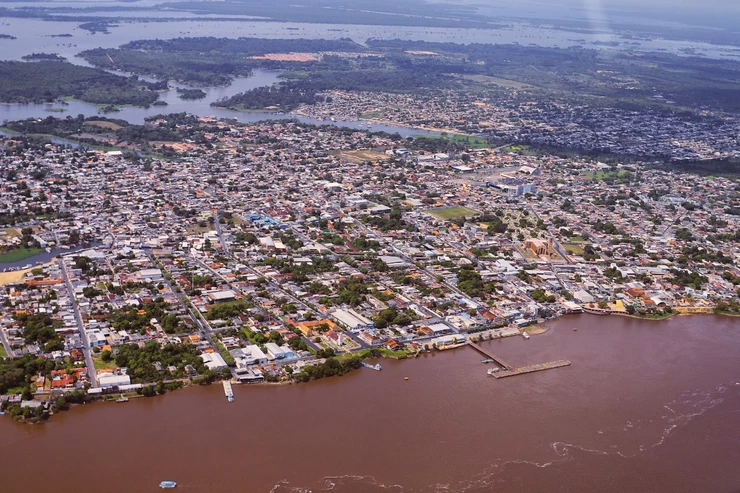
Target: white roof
(113, 380)
(222, 295)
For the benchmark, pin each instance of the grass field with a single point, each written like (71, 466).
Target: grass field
(194, 228)
(8, 131)
(573, 249)
(3, 353)
(372, 115)
(10, 232)
(102, 365)
(524, 150)
(362, 156)
(447, 213)
(106, 125)
(18, 254)
(473, 142)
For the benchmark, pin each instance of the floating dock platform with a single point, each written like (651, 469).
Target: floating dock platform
(508, 370)
(532, 368)
(228, 391)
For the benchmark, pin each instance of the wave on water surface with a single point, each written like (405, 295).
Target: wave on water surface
(629, 440)
(344, 483)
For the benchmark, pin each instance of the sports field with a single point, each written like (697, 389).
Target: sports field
(447, 213)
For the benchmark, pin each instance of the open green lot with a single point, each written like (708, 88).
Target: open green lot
(3, 353)
(473, 142)
(18, 254)
(573, 249)
(447, 213)
(523, 150)
(103, 365)
(608, 175)
(198, 229)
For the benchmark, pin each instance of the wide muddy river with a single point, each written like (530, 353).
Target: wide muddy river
(645, 407)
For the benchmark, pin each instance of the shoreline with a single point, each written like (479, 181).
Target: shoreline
(535, 330)
(374, 121)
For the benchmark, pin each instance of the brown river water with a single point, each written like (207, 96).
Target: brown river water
(645, 407)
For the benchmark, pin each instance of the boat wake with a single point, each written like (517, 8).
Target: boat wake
(348, 482)
(628, 440)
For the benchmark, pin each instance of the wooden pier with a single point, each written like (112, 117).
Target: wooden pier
(532, 368)
(490, 355)
(511, 371)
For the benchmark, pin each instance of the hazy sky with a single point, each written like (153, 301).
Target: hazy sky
(718, 13)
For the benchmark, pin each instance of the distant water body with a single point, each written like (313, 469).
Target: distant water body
(202, 107)
(645, 407)
(30, 41)
(134, 28)
(42, 258)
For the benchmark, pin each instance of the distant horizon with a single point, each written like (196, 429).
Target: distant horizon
(711, 13)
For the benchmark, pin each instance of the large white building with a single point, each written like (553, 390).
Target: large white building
(214, 361)
(278, 352)
(250, 355)
(150, 274)
(353, 320)
(108, 380)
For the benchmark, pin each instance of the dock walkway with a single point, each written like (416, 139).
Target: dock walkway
(532, 368)
(508, 370)
(492, 356)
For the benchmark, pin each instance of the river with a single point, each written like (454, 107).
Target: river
(201, 107)
(645, 407)
(44, 256)
(132, 27)
(29, 41)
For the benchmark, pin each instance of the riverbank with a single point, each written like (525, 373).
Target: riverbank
(347, 362)
(604, 416)
(155, 389)
(535, 330)
(13, 277)
(245, 110)
(18, 254)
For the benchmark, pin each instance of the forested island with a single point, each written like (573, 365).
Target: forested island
(214, 61)
(190, 94)
(306, 89)
(627, 79)
(44, 57)
(45, 81)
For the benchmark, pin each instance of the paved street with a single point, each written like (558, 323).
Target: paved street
(81, 326)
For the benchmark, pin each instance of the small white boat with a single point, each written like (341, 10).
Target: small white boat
(493, 370)
(525, 335)
(168, 484)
